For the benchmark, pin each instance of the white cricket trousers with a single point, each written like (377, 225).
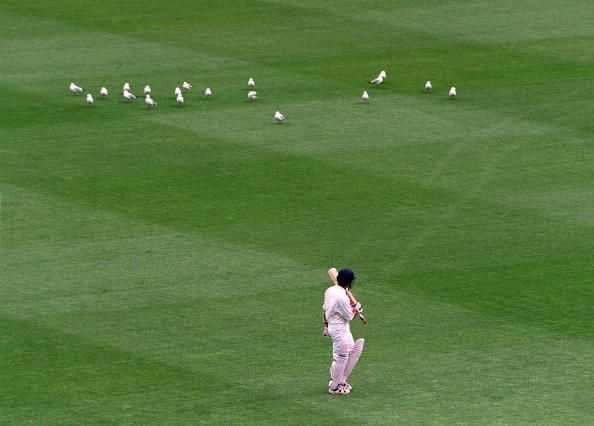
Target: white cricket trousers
(345, 353)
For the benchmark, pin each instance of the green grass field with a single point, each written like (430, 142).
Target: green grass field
(167, 267)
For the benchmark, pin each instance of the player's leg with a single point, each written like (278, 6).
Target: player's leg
(337, 373)
(354, 356)
(342, 345)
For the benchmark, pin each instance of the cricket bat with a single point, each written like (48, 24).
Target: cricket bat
(333, 274)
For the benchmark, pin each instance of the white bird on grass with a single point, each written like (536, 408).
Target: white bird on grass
(365, 96)
(428, 86)
(129, 96)
(452, 93)
(75, 89)
(180, 99)
(381, 77)
(149, 102)
(251, 83)
(126, 87)
(89, 99)
(147, 90)
(104, 92)
(208, 92)
(252, 95)
(177, 91)
(186, 86)
(279, 117)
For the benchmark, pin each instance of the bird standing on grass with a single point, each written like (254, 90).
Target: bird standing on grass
(149, 102)
(129, 96)
(75, 89)
(379, 79)
(279, 117)
(186, 86)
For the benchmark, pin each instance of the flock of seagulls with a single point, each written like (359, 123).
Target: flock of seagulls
(382, 76)
(252, 95)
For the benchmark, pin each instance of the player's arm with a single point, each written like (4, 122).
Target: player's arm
(324, 319)
(357, 306)
(325, 324)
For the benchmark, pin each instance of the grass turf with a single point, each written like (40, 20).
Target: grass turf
(167, 267)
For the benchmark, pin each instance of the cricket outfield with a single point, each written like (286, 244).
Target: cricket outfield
(167, 266)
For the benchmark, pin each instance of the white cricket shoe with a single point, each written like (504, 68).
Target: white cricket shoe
(340, 390)
(365, 96)
(89, 99)
(104, 92)
(179, 99)
(177, 91)
(428, 86)
(346, 385)
(147, 90)
(186, 86)
(208, 92)
(251, 83)
(452, 93)
(252, 95)
(126, 87)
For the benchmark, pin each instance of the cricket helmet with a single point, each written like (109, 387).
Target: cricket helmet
(345, 277)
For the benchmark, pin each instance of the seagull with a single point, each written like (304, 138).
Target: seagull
(365, 96)
(129, 96)
(149, 102)
(179, 99)
(428, 86)
(279, 117)
(252, 95)
(90, 100)
(251, 83)
(452, 93)
(147, 90)
(104, 92)
(177, 91)
(186, 86)
(207, 92)
(126, 87)
(379, 79)
(75, 89)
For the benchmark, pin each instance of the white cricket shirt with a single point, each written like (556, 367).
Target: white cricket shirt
(337, 306)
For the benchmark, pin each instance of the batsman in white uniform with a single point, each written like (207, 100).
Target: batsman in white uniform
(338, 311)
